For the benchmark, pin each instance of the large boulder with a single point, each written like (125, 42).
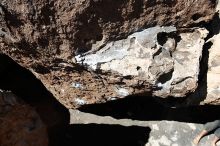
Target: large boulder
(158, 56)
(47, 36)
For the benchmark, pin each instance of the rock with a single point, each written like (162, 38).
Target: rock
(172, 133)
(218, 7)
(45, 36)
(163, 132)
(20, 125)
(155, 56)
(207, 91)
(213, 75)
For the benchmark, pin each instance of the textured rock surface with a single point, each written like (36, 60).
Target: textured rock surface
(163, 133)
(156, 55)
(20, 125)
(44, 36)
(213, 75)
(207, 91)
(171, 133)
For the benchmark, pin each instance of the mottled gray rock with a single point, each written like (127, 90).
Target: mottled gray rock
(163, 133)
(158, 55)
(172, 133)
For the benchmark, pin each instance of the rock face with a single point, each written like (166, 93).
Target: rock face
(172, 133)
(213, 75)
(50, 38)
(20, 125)
(208, 88)
(157, 55)
(163, 133)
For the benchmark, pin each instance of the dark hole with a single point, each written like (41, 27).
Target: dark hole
(43, 42)
(158, 52)
(3, 29)
(162, 38)
(99, 37)
(128, 77)
(196, 16)
(101, 135)
(165, 77)
(41, 69)
(138, 68)
(85, 40)
(213, 27)
(177, 17)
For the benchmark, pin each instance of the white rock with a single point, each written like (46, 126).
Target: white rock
(213, 75)
(174, 64)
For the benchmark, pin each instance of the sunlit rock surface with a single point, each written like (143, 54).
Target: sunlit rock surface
(213, 75)
(160, 56)
(162, 133)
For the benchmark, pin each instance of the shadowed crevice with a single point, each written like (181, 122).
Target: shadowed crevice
(26, 86)
(148, 109)
(101, 135)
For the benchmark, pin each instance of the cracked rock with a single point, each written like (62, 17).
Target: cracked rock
(158, 55)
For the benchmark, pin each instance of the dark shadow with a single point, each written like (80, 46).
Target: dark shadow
(213, 27)
(165, 77)
(25, 85)
(148, 109)
(12, 19)
(132, 107)
(101, 135)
